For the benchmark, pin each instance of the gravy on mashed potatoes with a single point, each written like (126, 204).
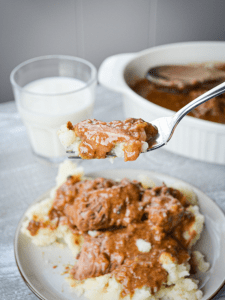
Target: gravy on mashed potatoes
(128, 231)
(96, 139)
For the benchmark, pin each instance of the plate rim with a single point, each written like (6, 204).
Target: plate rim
(45, 194)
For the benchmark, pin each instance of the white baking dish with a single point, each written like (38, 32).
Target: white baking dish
(195, 138)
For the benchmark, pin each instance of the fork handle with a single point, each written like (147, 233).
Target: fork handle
(216, 91)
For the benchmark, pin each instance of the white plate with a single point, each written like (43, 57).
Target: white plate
(36, 263)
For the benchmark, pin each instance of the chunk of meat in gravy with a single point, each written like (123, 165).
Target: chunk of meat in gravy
(104, 203)
(118, 205)
(117, 252)
(66, 195)
(99, 138)
(168, 191)
(124, 203)
(73, 188)
(164, 211)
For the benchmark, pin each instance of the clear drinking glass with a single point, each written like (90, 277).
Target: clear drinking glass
(49, 91)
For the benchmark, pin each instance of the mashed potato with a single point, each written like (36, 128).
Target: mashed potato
(178, 286)
(40, 213)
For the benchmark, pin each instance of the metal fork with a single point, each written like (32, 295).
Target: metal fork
(167, 125)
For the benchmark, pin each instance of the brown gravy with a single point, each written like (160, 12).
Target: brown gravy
(120, 213)
(99, 138)
(170, 98)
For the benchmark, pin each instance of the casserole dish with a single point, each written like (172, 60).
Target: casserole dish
(194, 138)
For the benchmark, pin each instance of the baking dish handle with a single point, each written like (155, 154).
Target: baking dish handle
(110, 73)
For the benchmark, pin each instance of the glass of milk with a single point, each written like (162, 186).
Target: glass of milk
(49, 91)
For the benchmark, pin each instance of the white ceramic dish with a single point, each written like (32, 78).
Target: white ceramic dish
(36, 263)
(195, 138)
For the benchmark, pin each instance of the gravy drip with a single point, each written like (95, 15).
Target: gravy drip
(99, 138)
(120, 213)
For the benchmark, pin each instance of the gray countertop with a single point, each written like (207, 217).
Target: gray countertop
(23, 178)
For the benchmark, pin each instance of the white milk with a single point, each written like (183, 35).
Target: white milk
(47, 103)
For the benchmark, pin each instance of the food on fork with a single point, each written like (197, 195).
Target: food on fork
(96, 139)
(131, 241)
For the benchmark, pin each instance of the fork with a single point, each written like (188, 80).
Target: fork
(167, 125)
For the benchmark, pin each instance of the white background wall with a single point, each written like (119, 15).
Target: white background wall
(96, 29)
